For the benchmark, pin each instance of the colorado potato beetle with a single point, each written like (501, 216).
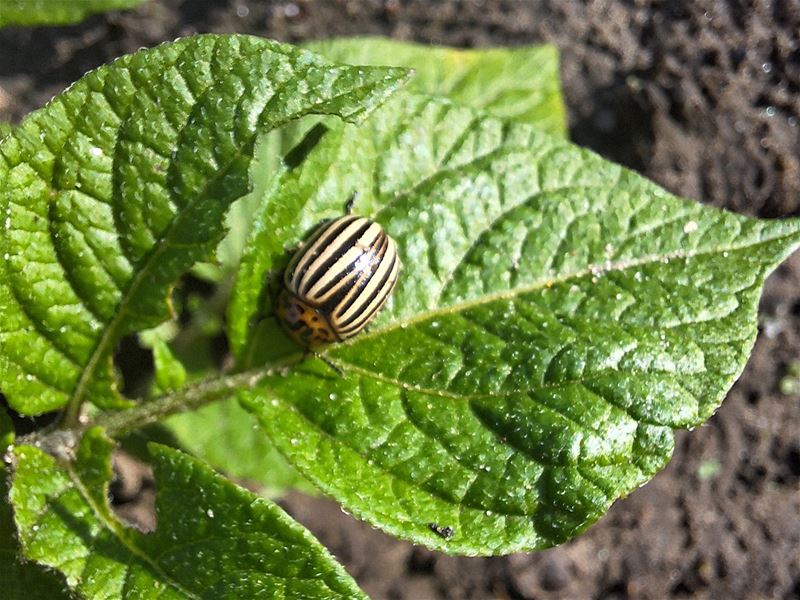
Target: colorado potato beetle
(338, 281)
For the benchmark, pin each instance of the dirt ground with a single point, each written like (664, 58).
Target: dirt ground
(701, 96)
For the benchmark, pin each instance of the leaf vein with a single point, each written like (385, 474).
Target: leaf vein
(114, 529)
(538, 284)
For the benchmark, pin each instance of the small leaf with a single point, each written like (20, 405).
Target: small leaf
(520, 83)
(170, 374)
(213, 539)
(708, 469)
(57, 12)
(556, 318)
(120, 184)
(7, 432)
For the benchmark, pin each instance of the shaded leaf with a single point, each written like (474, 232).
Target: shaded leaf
(57, 12)
(268, 161)
(169, 372)
(556, 318)
(7, 432)
(520, 83)
(230, 439)
(121, 183)
(213, 539)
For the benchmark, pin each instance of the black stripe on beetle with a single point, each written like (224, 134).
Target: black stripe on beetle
(336, 284)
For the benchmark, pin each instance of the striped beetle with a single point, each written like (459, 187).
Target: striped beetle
(338, 281)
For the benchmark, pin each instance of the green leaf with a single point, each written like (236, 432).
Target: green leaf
(169, 371)
(7, 432)
(230, 439)
(520, 83)
(5, 129)
(119, 185)
(19, 580)
(170, 374)
(57, 12)
(556, 318)
(267, 162)
(213, 539)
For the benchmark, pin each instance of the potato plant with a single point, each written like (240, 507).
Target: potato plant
(557, 316)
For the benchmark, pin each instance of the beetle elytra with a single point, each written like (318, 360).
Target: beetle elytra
(338, 281)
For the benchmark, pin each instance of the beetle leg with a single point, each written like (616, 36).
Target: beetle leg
(328, 362)
(348, 206)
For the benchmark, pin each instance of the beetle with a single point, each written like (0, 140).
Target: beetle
(338, 281)
(443, 531)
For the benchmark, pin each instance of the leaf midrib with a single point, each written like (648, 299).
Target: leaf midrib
(410, 387)
(593, 269)
(111, 332)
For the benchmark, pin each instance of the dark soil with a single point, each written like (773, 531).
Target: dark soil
(701, 96)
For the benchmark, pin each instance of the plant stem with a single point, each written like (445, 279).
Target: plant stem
(191, 397)
(70, 418)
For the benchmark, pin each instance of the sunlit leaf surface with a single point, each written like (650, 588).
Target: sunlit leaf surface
(213, 539)
(119, 185)
(557, 317)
